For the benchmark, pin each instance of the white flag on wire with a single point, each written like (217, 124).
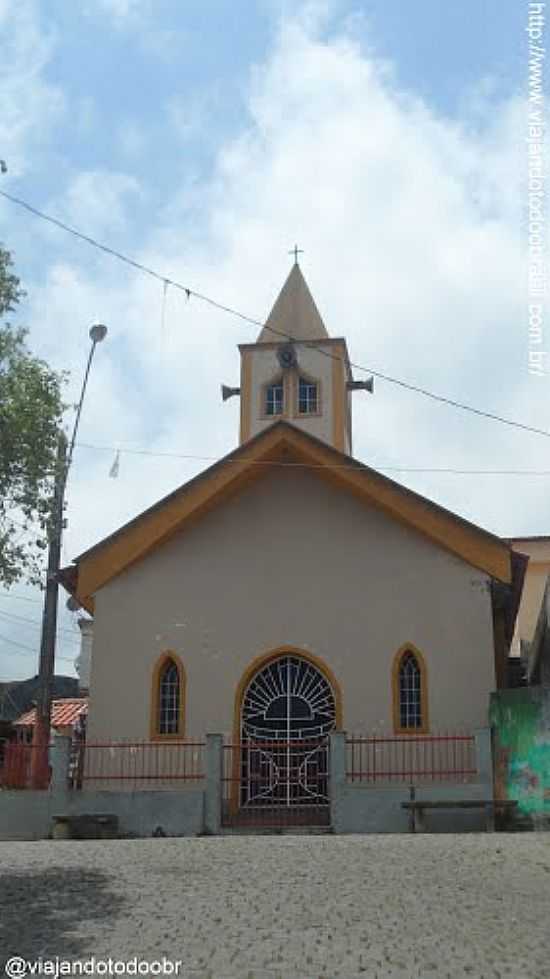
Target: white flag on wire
(113, 471)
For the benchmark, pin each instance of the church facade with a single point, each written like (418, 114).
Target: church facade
(289, 591)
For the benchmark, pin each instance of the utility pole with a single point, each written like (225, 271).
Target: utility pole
(41, 739)
(40, 773)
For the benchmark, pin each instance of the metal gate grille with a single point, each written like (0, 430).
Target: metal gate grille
(278, 773)
(276, 783)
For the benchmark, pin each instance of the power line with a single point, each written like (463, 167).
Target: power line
(129, 261)
(37, 625)
(321, 465)
(442, 470)
(28, 649)
(21, 598)
(167, 281)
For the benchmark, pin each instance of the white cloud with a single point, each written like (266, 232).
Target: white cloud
(30, 107)
(97, 201)
(121, 10)
(413, 251)
(88, 117)
(144, 20)
(409, 249)
(131, 138)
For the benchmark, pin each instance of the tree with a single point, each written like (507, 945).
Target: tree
(30, 416)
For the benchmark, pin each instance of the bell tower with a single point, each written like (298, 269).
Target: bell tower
(296, 372)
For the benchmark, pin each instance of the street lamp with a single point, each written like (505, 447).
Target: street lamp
(97, 333)
(40, 768)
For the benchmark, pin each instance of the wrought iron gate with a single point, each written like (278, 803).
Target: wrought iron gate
(278, 772)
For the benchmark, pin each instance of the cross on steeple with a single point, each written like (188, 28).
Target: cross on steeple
(296, 251)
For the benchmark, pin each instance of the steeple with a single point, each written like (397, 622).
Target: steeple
(296, 372)
(295, 307)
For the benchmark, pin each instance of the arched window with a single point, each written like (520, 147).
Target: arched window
(274, 398)
(168, 698)
(410, 708)
(308, 397)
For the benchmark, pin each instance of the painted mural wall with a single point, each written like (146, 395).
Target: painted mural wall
(521, 722)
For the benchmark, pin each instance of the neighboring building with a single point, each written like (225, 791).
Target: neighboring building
(18, 696)
(17, 718)
(83, 662)
(537, 651)
(537, 549)
(66, 716)
(290, 590)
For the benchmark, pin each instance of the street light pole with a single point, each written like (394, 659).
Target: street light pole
(98, 332)
(41, 739)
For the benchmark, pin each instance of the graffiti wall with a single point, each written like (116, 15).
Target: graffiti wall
(521, 723)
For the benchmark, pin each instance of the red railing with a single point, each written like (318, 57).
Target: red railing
(411, 758)
(131, 765)
(17, 763)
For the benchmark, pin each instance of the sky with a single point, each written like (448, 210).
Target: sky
(204, 140)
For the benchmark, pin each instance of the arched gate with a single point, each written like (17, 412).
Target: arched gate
(279, 770)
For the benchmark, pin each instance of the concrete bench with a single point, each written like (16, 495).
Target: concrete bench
(86, 826)
(417, 808)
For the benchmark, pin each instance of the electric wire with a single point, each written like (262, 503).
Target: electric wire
(167, 281)
(21, 598)
(29, 649)
(38, 625)
(309, 465)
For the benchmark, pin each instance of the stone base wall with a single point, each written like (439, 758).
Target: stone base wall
(366, 809)
(28, 815)
(196, 808)
(25, 815)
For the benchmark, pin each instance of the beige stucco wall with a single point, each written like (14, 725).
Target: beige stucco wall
(537, 572)
(265, 369)
(292, 560)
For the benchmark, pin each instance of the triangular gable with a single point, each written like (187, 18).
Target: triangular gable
(281, 443)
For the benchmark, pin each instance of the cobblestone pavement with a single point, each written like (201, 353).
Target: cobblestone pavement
(268, 907)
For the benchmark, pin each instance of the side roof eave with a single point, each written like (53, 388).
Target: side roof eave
(282, 440)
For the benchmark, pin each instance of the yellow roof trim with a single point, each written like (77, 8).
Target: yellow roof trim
(283, 442)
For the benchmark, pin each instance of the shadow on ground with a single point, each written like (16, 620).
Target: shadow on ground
(41, 912)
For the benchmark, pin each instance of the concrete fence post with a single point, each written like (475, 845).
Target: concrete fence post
(337, 777)
(60, 754)
(484, 758)
(213, 793)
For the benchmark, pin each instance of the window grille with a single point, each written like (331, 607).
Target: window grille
(308, 401)
(410, 692)
(169, 699)
(288, 699)
(274, 399)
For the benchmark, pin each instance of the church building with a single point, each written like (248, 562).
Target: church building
(290, 590)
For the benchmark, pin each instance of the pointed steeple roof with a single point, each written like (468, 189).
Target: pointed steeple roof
(294, 313)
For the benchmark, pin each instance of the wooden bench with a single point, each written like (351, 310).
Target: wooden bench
(418, 807)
